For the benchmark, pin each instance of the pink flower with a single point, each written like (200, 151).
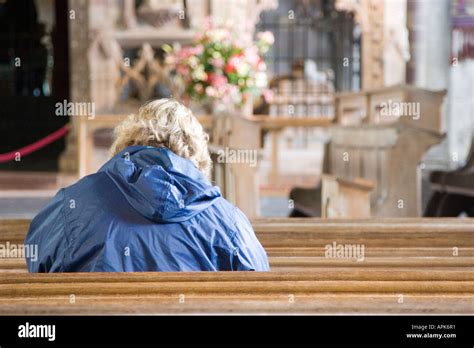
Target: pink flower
(182, 70)
(183, 54)
(198, 50)
(217, 80)
(268, 95)
(251, 55)
(261, 66)
(211, 91)
(231, 66)
(217, 62)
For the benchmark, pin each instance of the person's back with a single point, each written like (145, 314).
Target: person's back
(147, 209)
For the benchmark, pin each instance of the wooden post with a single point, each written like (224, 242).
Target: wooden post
(345, 199)
(245, 135)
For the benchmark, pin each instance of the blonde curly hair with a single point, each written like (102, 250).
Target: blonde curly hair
(165, 123)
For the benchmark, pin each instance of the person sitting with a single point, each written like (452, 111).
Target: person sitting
(151, 207)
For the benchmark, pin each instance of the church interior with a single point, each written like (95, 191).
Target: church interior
(344, 132)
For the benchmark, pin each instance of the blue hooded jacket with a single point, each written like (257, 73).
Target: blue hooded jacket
(146, 209)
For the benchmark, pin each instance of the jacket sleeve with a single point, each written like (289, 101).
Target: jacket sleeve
(46, 238)
(247, 254)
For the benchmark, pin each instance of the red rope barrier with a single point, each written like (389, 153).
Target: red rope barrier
(26, 150)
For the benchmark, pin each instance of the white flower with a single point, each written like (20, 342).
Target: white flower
(199, 74)
(219, 34)
(261, 80)
(242, 68)
(193, 62)
(267, 37)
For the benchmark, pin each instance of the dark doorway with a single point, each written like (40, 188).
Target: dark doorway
(34, 75)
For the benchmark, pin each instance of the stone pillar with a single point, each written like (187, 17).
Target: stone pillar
(373, 44)
(429, 25)
(396, 51)
(93, 72)
(80, 74)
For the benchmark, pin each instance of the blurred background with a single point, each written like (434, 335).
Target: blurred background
(353, 108)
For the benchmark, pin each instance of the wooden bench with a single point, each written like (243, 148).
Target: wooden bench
(314, 232)
(408, 268)
(301, 244)
(298, 263)
(327, 291)
(382, 135)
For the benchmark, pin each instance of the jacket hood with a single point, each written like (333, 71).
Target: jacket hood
(159, 184)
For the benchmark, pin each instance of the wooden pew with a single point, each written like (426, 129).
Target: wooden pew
(15, 229)
(297, 263)
(324, 303)
(327, 291)
(408, 268)
(301, 244)
(381, 135)
(316, 233)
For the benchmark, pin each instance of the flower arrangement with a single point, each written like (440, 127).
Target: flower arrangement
(222, 66)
